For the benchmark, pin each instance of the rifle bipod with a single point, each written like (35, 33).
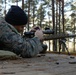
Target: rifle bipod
(62, 45)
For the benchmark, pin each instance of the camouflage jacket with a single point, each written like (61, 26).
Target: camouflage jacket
(11, 40)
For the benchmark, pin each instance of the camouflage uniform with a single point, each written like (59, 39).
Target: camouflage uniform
(11, 40)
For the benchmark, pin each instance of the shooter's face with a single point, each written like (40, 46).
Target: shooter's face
(19, 28)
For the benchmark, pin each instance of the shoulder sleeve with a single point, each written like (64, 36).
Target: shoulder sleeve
(17, 44)
(33, 47)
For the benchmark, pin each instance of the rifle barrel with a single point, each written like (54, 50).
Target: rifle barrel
(59, 36)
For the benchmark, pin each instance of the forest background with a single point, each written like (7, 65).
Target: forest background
(40, 13)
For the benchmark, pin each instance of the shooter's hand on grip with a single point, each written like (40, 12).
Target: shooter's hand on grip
(38, 32)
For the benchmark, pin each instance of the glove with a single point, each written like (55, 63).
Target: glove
(39, 34)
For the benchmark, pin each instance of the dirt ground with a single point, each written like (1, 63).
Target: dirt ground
(48, 64)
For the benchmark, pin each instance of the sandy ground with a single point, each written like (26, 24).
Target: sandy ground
(48, 64)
